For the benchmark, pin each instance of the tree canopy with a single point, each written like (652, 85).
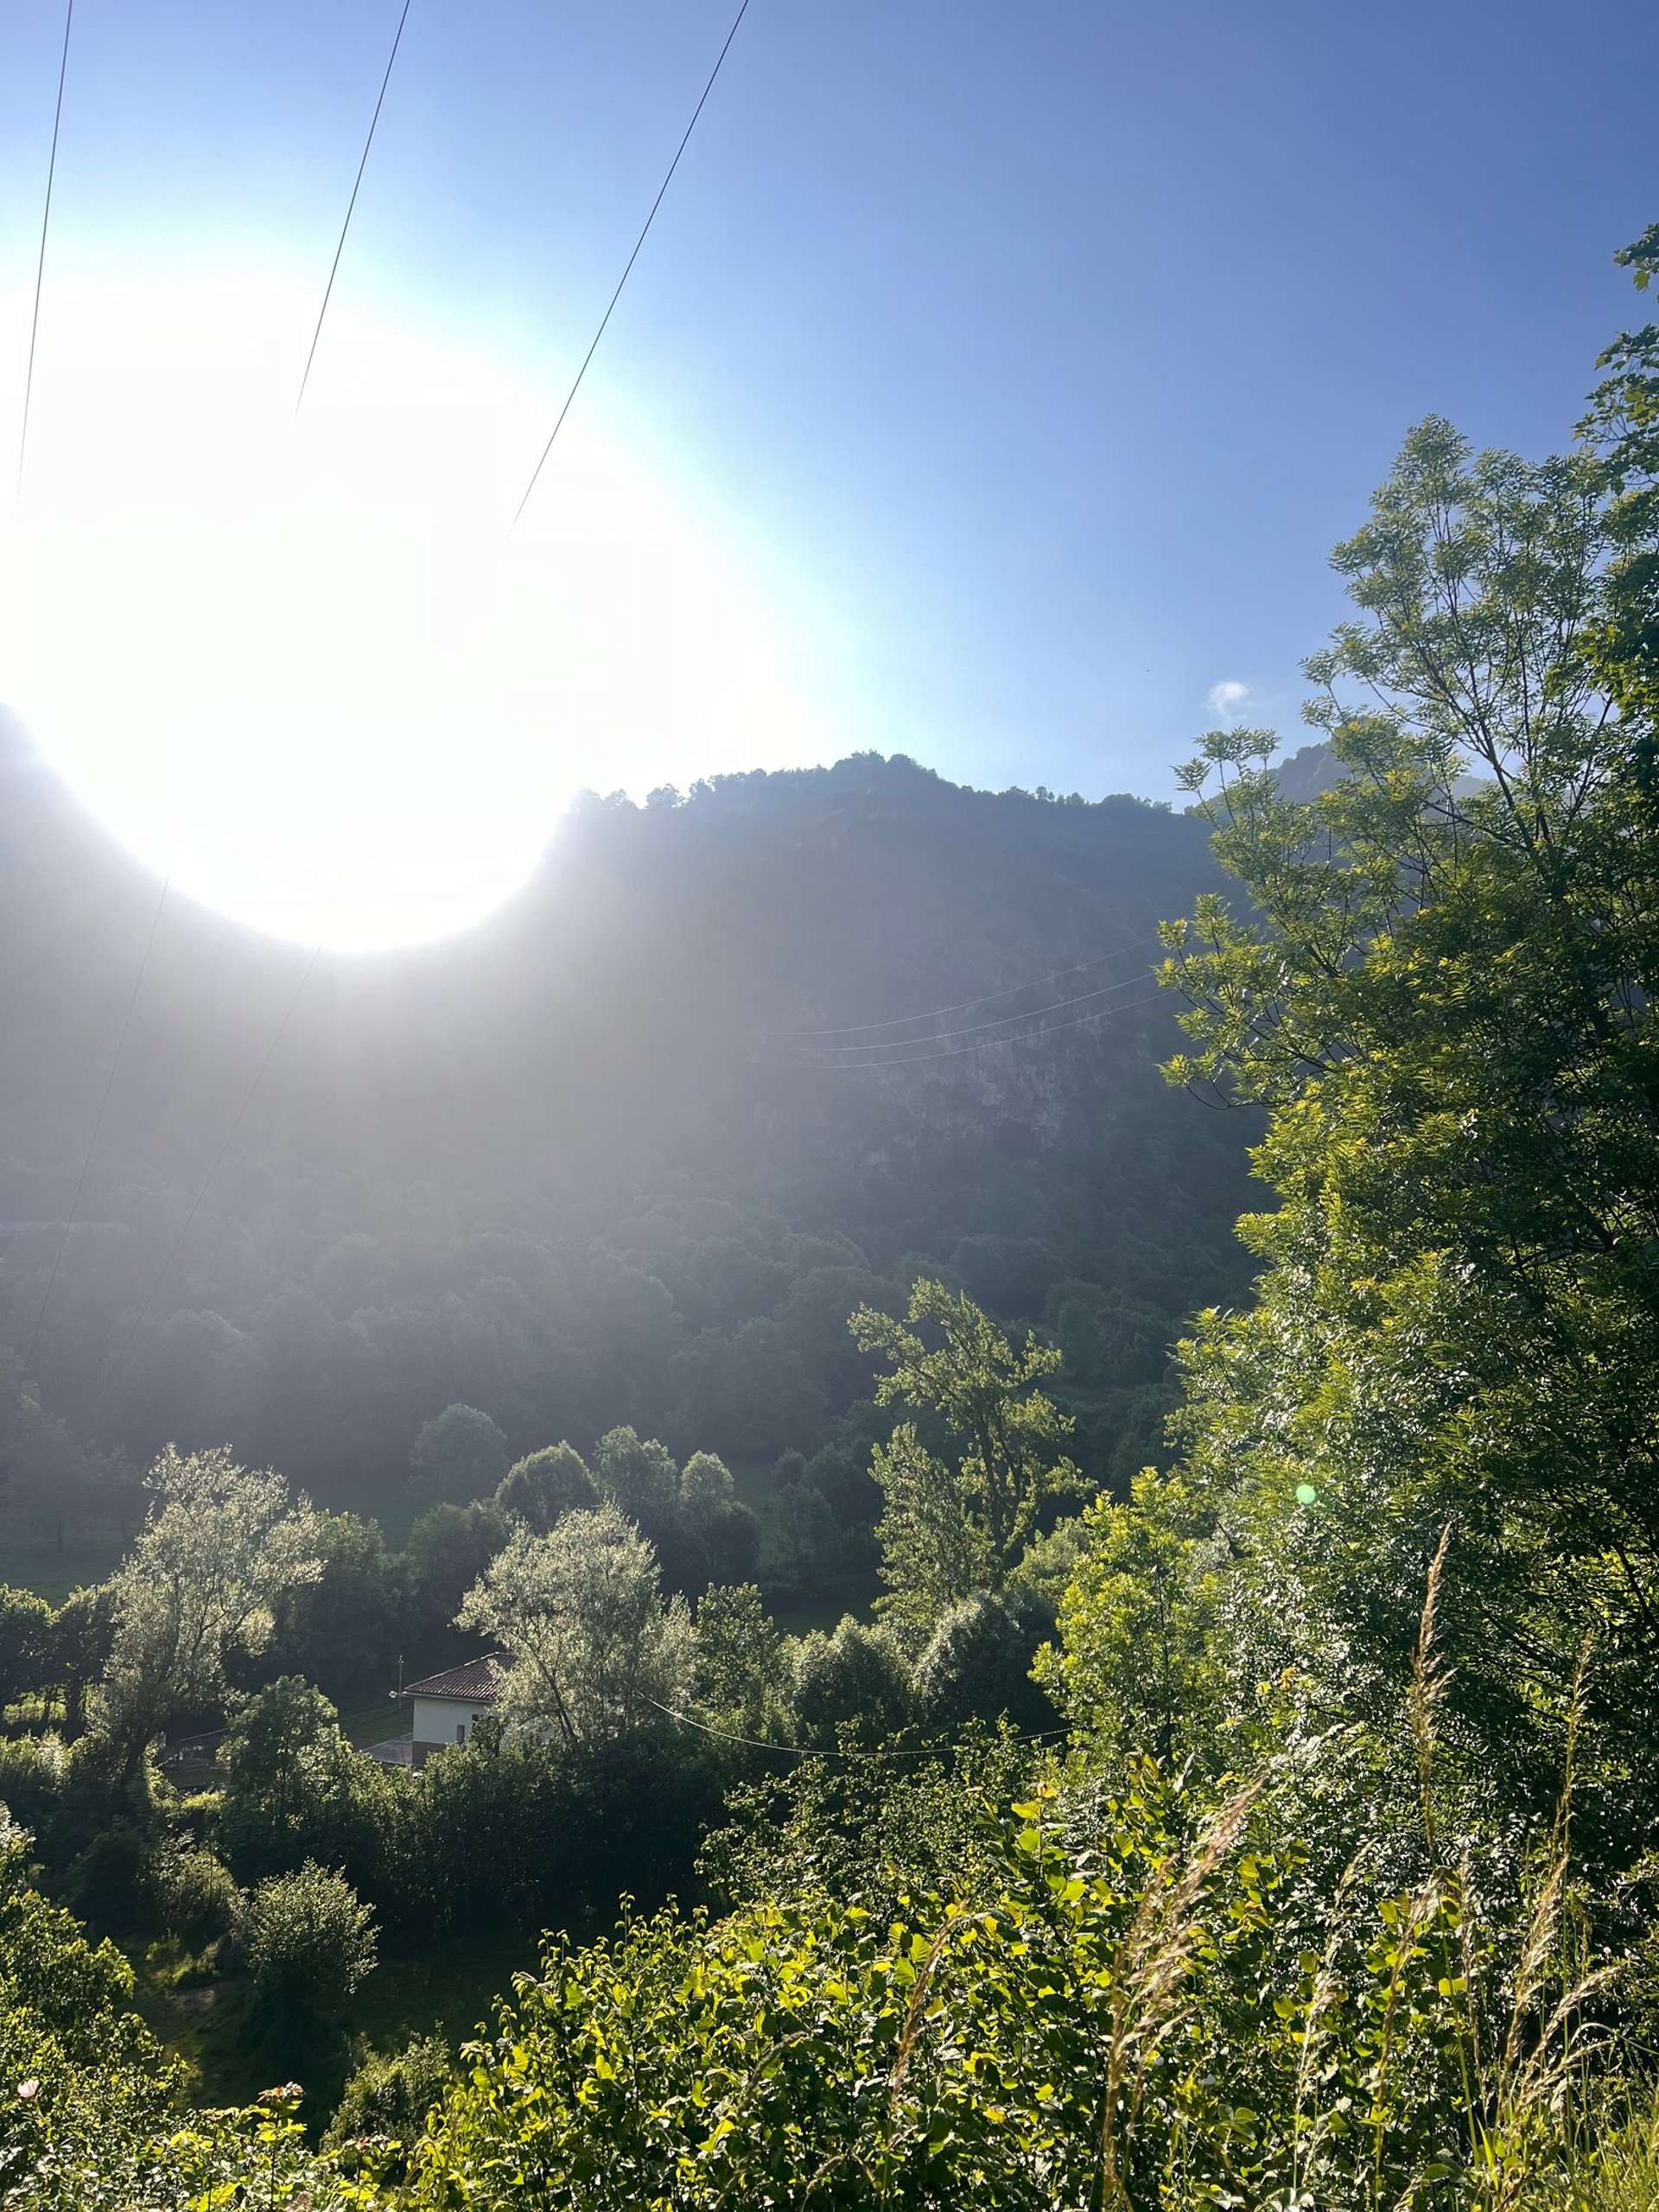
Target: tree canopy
(953, 1526)
(581, 1614)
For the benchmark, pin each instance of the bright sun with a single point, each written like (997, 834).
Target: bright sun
(301, 667)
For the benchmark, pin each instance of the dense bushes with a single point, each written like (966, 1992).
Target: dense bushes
(196, 1896)
(308, 1943)
(1140, 2002)
(390, 2095)
(89, 2103)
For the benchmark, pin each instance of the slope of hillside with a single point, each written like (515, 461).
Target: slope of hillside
(579, 1167)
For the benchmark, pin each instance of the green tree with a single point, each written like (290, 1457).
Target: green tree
(1443, 996)
(82, 1628)
(309, 1943)
(741, 1671)
(344, 1630)
(976, 1665)
(856, 1679)
(448, 1550)
(1623, 425)
(596, 1650)
(1137, 1665)
(460, 1455)
(801, 1547)
(637, 1474)
(25, 1643)
(705, 1486)
(296, 1788)
(218, 1551)
(953, 1527)
(548, 1484)
(718, 1530)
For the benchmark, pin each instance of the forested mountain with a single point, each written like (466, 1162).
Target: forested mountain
(1278, 1828)
(580, 1167)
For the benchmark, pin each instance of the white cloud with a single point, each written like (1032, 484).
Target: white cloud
(1228, 697)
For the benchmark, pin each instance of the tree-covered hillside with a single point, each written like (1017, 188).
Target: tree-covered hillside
(583, 1167)
(1277, 1833)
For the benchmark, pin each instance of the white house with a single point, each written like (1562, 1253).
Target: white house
(447, 1707)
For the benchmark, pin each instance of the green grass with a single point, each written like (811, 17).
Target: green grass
(31, 1559)
(394, 1505)
(377, 1723)
(448, 1989)
(822, 1609)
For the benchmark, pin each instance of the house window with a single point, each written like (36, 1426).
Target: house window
(460, 1731)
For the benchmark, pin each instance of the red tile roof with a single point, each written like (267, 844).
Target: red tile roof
(477, 1681)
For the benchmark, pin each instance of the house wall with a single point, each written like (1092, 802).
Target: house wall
(436, 1720)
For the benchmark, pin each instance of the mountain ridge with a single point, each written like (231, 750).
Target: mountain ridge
(599, 1074)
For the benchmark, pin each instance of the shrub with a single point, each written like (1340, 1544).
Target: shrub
(1139, 2003)
(547, 1485)
(107, 1882)
(977, 1665)
(33, 1771)
(857, 1676)
(195, 1895)
(89, 2119)
(391, 2093)
(309, 1942)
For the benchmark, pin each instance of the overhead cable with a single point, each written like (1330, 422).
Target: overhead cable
(958, 1052)
(327, 290)
(840, 1752)
(804, 1037)
(98, 1125)
(46, 223)
(627, 268)
(241, 1114)
(978, 1028)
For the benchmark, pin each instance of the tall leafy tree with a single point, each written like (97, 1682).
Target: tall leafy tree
(548, 1484)
(1623, 424)
(639, 1476)
(459, 1456)
(955, 1525)
(740, 1670)
(594, 1650)
(219, 1549)
(25, 1643)
(1136, 1666)
(1442, 991)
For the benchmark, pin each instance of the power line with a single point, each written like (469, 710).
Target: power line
(45, 221)
(241, 1112)
(966, 1005)
(98, 1125)
(975, 1029)
(842, 1752)
(327, 290)
(628, 269)
(959, 1052)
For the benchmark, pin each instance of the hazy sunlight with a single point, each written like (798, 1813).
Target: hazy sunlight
(301, 665)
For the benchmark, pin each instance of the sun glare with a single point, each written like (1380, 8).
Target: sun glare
(302, 666)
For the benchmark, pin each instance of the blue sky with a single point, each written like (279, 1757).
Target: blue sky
(1040, 351)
